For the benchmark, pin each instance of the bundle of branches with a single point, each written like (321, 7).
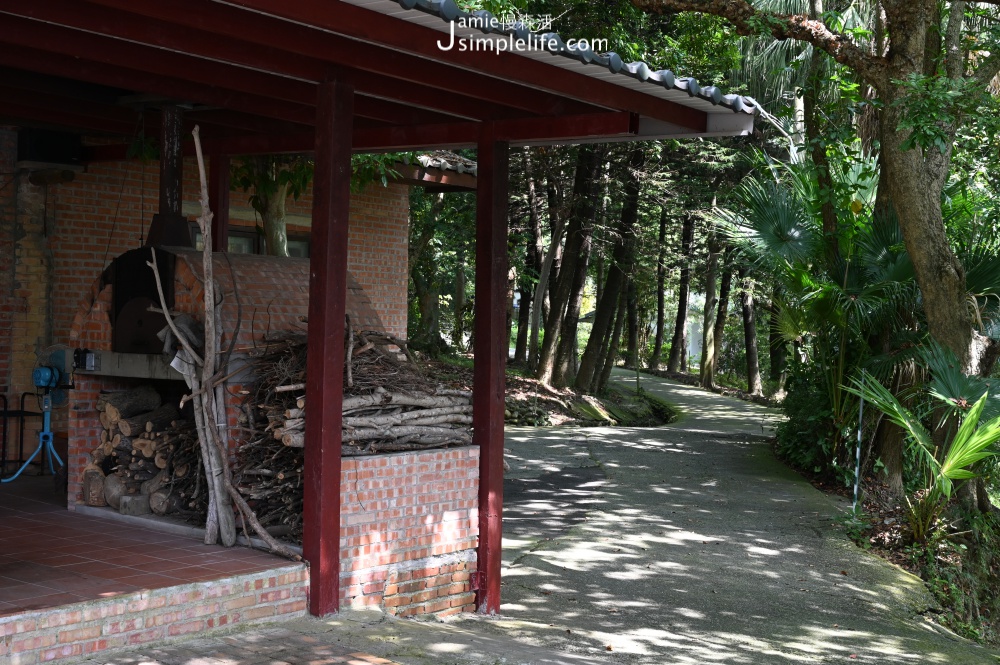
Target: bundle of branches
(203, 364)
(388, 406)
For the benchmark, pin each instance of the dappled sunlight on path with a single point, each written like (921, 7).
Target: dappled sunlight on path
(690, 543)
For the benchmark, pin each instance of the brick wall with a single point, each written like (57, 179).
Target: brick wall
(273, 294)
(8, 225)
(409, 528)
(81, 629)
(379, 250)
(57, 239)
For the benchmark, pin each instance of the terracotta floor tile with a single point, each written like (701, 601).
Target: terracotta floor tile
(29, 571)
(17, 593)
(88, 567)
(151, 581)
(129, 559)
(85, 584)
(51, 556)
(51, 600)
(60, 559)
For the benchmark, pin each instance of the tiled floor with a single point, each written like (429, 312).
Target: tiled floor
(50, 556)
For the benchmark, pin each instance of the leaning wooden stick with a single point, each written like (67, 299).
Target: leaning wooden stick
(212, 399)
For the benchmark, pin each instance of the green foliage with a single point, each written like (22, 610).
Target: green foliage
(857, 526)
(806, 440)
(265, 177)
(963, 573)
(971, 444)
(931, 106)
(376, 167)
(144, 148)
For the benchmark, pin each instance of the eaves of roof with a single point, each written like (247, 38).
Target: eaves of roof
(635, 75)
(446, 160)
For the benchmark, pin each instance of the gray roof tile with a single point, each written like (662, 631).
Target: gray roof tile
(448, 11)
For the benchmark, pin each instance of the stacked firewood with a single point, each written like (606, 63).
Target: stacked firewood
(388, 406)
(146, 450)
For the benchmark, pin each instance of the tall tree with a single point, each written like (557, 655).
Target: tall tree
(579, 228)
(678, 344)
(622, 258)
(722, 311)
(270, 180)
(754, 386)
(707, 368)
(927, 84)
(661, 296)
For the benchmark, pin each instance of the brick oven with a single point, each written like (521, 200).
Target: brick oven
(409, 521)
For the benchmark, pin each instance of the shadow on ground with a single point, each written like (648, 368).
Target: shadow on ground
(699, 547)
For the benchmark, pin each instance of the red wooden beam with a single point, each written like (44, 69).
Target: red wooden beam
(490, 355)
(173, 28)
(364, 24)
(244, 122)
(392, 66)
(218, 196)
(327, 310)
(10, 92)
(415, 137)
(256, 56)
(32, 115)
(70, 66)
(32, 33)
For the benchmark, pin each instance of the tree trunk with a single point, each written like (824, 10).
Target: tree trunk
(889, 442)
(578, 231)
(918, 178)
(523, 324)
(533, 251)
(723, 310)
(754, 386)
(777, 347)
(565, 366)
(661, 275)
(632, 325)
(614, 344)
(541, 293)
(458, 331)
(678, 344)
(707, 369)
(273, 219)
(622, 260)
(604, 317)
(817, 145)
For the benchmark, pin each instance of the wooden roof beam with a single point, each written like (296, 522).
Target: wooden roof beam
(572, 129)
(260, 57)
(370, 60)
(343, 18)
(109, 51)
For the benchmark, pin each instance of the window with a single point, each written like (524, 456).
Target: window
(248, 241)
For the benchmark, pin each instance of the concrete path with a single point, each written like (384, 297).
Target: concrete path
(683, 544)
(692, 544)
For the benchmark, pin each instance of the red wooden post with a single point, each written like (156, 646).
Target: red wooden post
(324, 381)
(490, 358)
(218, 193)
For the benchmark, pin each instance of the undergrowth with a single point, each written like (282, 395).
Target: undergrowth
(960, 565)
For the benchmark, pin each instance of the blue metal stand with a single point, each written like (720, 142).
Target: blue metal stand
(45, 446)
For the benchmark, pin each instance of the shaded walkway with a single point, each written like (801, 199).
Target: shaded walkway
(699, 547)
(686, 544)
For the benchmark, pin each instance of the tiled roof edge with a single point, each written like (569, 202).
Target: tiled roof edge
(449, 12)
